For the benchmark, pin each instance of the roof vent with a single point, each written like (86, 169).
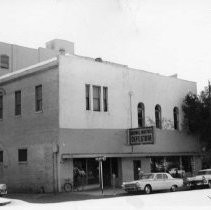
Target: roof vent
(99, 60)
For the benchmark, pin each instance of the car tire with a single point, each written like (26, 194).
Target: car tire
(173, 188)
(148, 189)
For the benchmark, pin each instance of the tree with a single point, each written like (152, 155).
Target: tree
(197, 115)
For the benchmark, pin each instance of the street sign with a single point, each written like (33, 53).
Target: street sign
(144, 135)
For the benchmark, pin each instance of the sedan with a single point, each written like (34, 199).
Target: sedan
(153, 182)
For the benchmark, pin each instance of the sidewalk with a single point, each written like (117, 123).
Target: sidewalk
(70, 196)
(106, 192)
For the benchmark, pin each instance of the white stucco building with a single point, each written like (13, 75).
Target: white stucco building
(91, 108)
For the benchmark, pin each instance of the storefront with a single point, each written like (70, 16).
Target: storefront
(91, 168)
(173, 165)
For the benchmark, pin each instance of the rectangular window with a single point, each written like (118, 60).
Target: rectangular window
(38, 98)
(105, 99)
(1, 107)
(22, 155)
(96, 98)
(87, 97)
(18, 102)
(1, 156)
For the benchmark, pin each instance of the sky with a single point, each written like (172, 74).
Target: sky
(161, 36)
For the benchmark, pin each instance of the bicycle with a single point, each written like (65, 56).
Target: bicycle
(68, 185)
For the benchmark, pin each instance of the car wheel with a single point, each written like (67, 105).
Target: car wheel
(148, 189)
(68, 187)
(173, 188)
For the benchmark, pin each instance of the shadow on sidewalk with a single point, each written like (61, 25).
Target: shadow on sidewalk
(65, 197)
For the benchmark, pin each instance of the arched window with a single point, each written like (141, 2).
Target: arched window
(176, 118)
(158, 116)
(4, 61)
(141, 115)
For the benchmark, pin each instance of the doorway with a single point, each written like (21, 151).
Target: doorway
(136, 166)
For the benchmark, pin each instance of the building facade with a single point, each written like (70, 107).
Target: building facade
(65, 112)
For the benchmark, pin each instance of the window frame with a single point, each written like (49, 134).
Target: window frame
(1, 156)
(141, 109)
(176, 118)
(98, 99)
(87, 96)
(105, 99)
(4, 61)
(19, 155)
(158, 117)
(38, 99)
(18, 103)
(1, 106)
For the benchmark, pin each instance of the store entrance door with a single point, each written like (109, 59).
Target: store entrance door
(107, 172)
(136, 166)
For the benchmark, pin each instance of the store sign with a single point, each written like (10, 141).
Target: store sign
(143, 135)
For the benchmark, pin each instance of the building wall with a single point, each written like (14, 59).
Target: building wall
(127, 167)
(113, 142)
(20, 57)
(149, 88)
(36, 131)
(90, 134)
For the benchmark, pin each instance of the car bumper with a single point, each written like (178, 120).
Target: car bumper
(196, 183)
(131, 188)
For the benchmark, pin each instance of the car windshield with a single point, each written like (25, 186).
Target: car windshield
(147, 176)
(204, 172)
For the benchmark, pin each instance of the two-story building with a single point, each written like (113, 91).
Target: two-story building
(69, 110)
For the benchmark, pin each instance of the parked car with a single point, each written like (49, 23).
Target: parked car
(202, 179)
(3, 189)
(153, 182)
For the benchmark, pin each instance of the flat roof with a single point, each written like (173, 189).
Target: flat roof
(28, 70)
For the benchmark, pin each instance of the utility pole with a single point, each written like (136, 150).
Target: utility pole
(100, 161)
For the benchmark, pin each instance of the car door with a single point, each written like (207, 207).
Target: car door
(167, 183)
(158, 182)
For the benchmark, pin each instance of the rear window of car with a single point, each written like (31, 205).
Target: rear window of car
(204, 172)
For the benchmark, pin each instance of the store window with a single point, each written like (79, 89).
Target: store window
(158, 121)
(141, 115)
(157, 164)
(186, 164)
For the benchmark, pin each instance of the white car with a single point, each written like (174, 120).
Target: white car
(153, 182)
(3, 189)
(202, 179)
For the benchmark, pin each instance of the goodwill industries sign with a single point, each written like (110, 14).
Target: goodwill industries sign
(143, 135)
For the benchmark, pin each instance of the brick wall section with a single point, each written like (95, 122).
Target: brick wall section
(35, 131)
